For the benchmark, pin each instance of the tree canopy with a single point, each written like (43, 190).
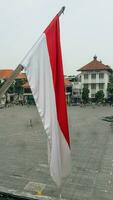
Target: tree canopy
(99, 96)
(110, 84)
(85, 95)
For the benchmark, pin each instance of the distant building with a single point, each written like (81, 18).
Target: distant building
(68, 86)
(6, 73)
(95, 77)
(68, 90)
(76, 87)
(28, 97)
(11, 92)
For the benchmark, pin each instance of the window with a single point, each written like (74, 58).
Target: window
(93, 95)
(101, 86)
(93, 76)
(101, 75)
(85, 85)
(69, 90)
(85, 76)
(93, 86)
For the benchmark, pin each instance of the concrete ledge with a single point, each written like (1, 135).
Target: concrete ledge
(8, 193)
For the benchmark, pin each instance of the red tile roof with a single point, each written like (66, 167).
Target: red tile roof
(21, 76)
(6, 73)
(66, 83)
(95, 65)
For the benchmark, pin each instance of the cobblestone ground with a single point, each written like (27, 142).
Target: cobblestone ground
(23, 152)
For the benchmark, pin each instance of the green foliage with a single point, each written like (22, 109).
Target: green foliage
(18, 86)
(110, 88)
(111, 78)
(85, 95)
(99, 96)
(110, 84)
(11, 88)
(0, 83)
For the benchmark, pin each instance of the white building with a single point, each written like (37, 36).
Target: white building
(76, 87)
(95, 76)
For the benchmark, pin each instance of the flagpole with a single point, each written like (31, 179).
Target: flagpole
(19, 68)
(59, 193)
(61, 11)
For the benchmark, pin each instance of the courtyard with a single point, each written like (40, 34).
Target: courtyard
(23, 152)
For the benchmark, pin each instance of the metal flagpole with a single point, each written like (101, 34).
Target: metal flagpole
(10, 80)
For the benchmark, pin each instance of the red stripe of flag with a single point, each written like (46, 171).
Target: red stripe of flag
(53, 42)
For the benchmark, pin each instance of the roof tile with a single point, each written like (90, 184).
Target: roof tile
(6, 73)
(95, 65)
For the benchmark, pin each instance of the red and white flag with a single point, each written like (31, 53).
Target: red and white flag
(43, 66)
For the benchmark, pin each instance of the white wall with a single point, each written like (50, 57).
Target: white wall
(96, 81)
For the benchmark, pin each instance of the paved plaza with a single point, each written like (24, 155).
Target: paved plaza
(23, 152)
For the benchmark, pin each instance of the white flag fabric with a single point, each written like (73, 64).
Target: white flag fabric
(43, 66)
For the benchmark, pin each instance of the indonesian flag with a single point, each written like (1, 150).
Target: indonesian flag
(43, 66)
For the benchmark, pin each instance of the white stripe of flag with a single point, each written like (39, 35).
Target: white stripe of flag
(43, 66)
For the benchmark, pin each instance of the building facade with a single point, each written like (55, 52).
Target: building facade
(15, 88)
(95, 76)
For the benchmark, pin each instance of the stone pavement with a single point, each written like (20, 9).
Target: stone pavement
(23, 152)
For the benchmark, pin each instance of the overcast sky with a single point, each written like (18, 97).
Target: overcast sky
(86, 30)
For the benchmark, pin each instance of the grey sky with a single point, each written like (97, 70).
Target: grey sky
(86, 29)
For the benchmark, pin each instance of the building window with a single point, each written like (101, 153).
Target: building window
(93, 86)
(85, 85)
(101, 86)
(85, 76)
(69, 90)
(79, 79)
(101, 75)
(93, 76)
(92, 95)
(74, 93)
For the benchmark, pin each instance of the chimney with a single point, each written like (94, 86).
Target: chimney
(95, 57)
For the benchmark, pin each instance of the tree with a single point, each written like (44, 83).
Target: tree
(110, 88)
(18, 86)
(110, 84)
(0, 83)
(111, 78)
(99, 96)
(85, 95)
